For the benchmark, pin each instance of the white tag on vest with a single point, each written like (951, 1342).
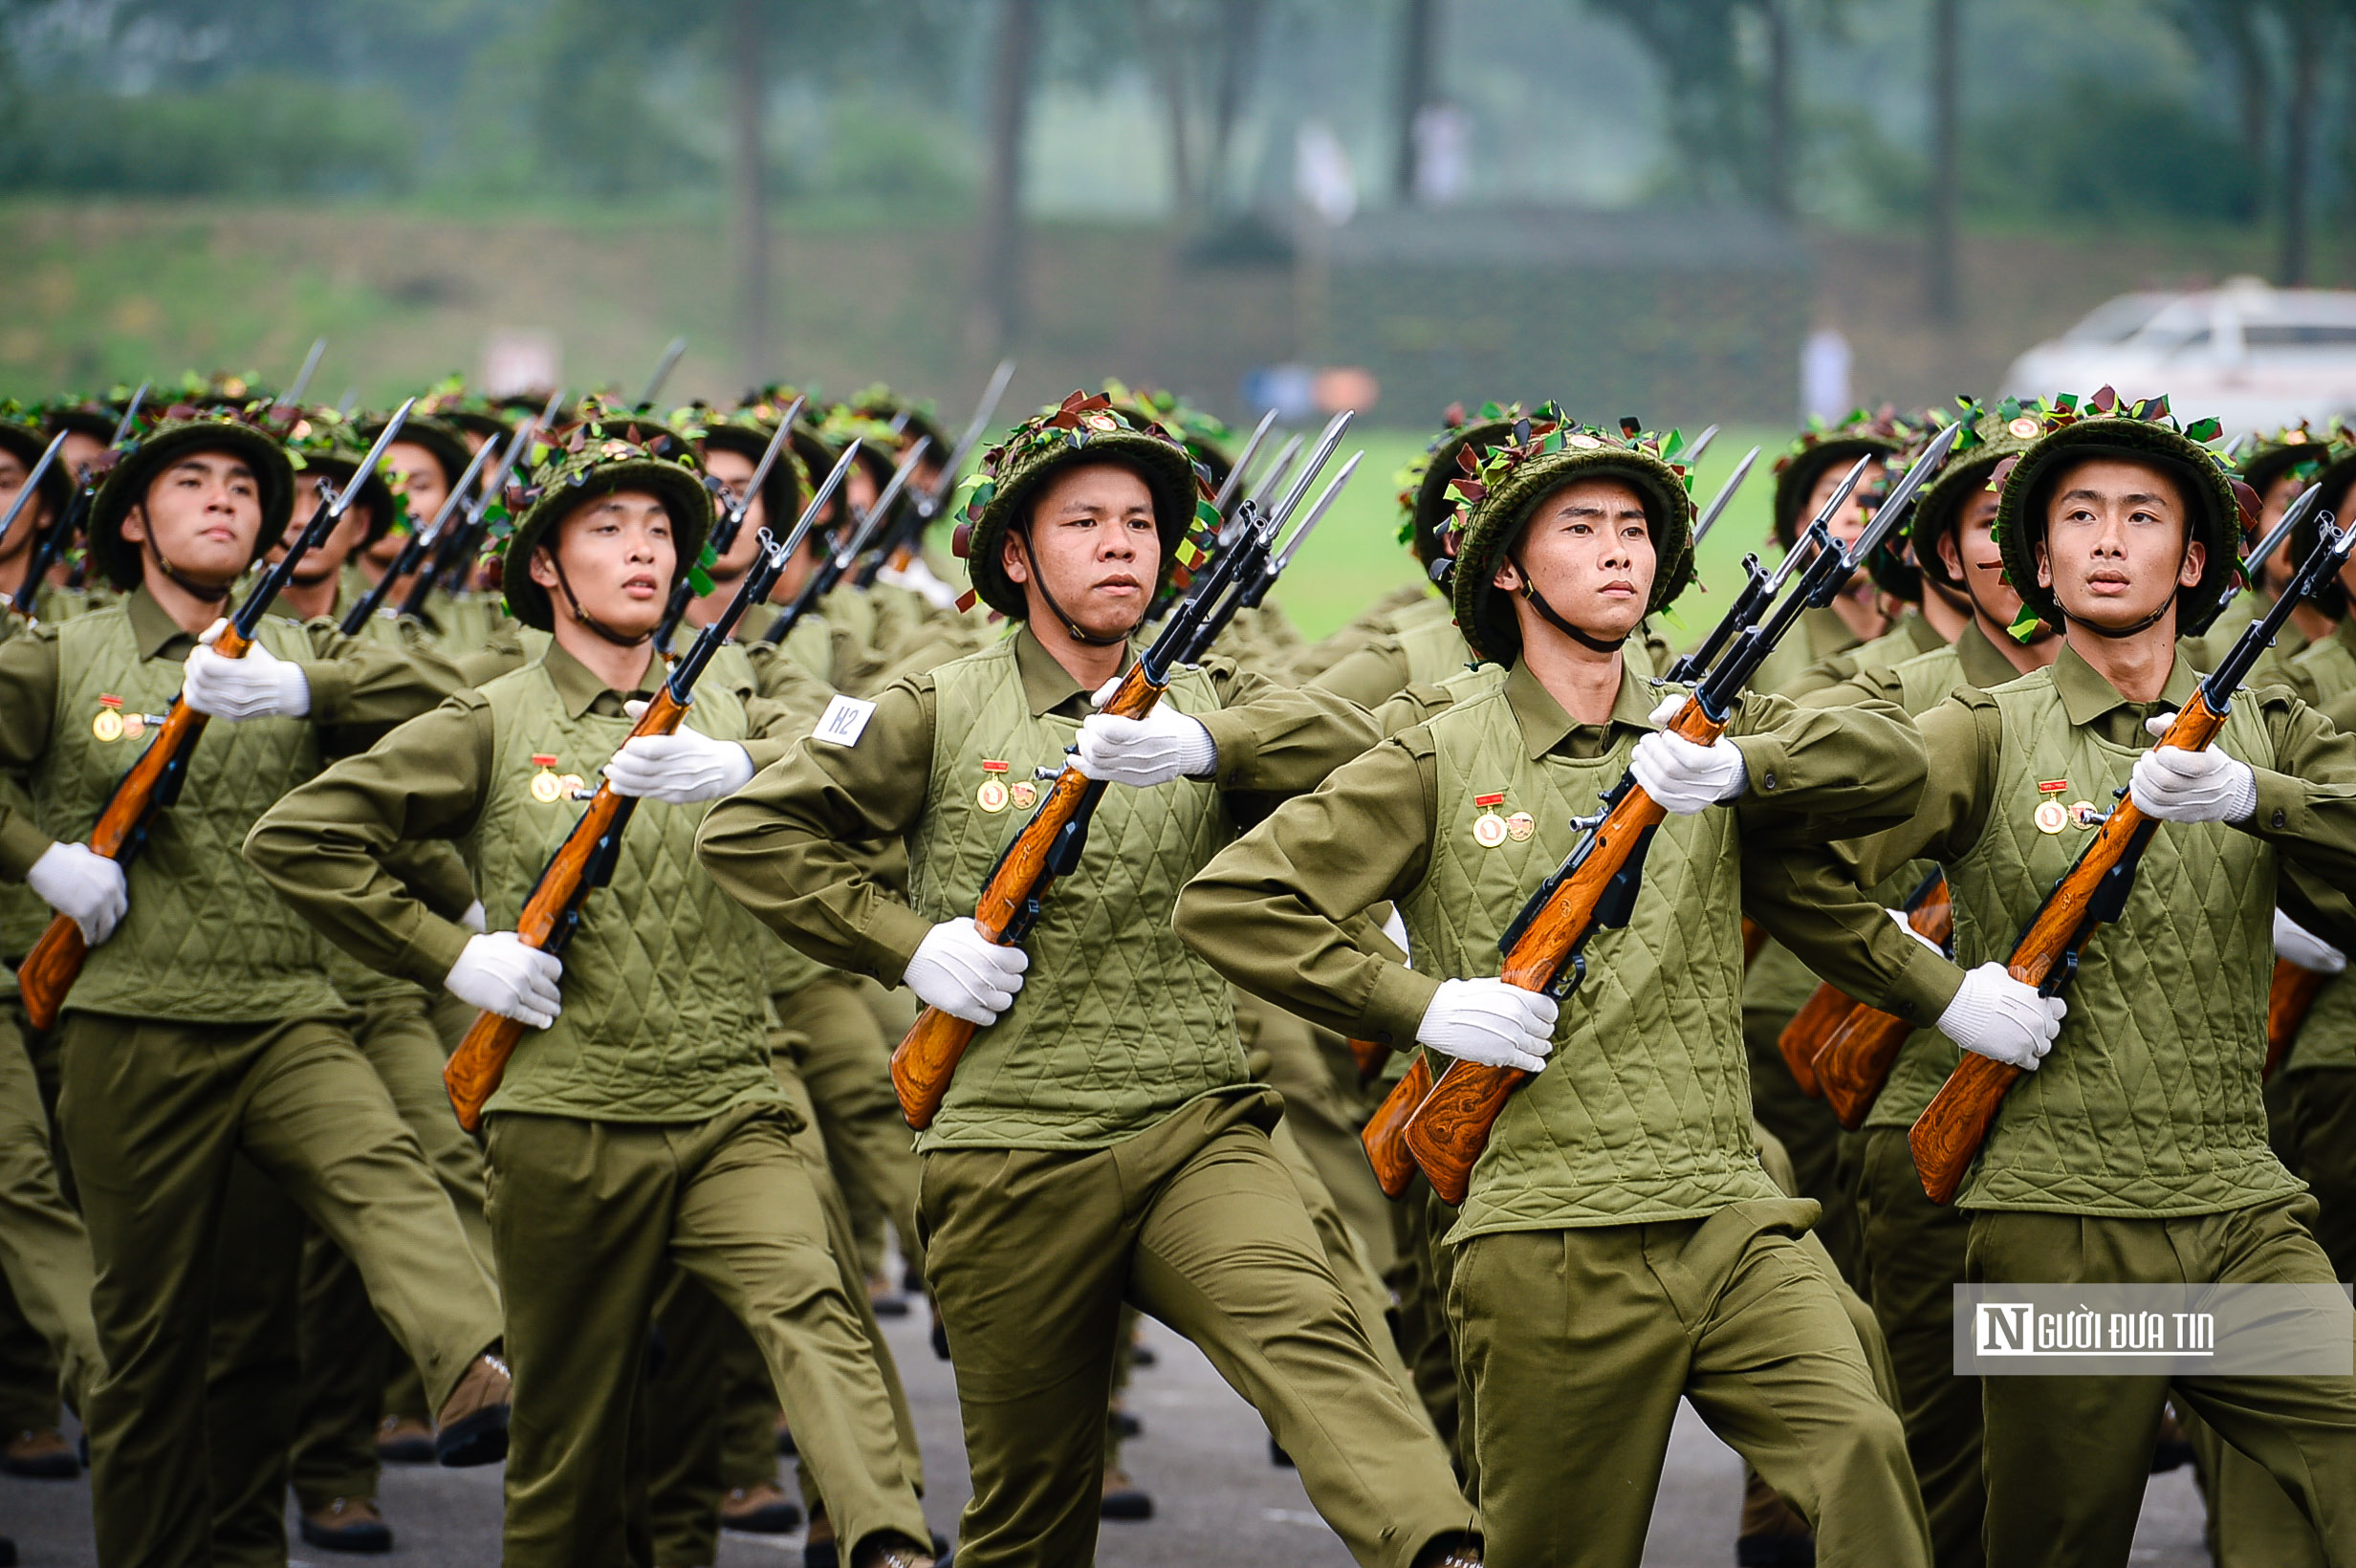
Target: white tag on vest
(844, 721)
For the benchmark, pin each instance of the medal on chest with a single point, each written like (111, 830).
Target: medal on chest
(546, 787)
(108, 725)
(1489, 829)
(2051, 815)
(993, 795)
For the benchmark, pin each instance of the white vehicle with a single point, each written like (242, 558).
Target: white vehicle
(2251, 357)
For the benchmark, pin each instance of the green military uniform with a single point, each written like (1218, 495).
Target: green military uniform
(645, 1130)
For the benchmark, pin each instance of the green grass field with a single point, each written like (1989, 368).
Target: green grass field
(1355, 557)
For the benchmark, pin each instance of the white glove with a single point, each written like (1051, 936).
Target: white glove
(260, 685)
(963, 973)
(680, 768)
(1899, 915)
(500, 974)
(1684, 777)
(1162, 746)
(2002, 1019)
(2301, 947)
(1490, 1022)
(2179, 785)
(476, 919)
(83, 885)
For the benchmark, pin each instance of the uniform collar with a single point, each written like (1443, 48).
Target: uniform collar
(1983, 664)
(1920, 632)
(1046, 685)
(1827, 633)
(580, 691)
(155, 630)
(2086, 696)
(1545, 726)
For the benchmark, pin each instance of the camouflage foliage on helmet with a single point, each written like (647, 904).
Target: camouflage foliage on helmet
(170, 432)
(321, 442)
(1839, 444)
(1424, 499)
(1207, 439)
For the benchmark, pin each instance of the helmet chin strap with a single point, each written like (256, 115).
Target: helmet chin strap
(1547, 613)
(202, 593)
(583, 618)
(1071, 629)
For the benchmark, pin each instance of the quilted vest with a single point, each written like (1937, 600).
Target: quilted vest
(1434, 649)
(205, 940)
(1117, 1023)
(1644, 1110)
(2327, 1038)
(2148, 1104)
(664, 985)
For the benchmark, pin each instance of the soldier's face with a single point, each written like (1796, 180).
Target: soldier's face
(79, 451)
(1588, 551)
(13, 472)
(1091, 543)
(1970, 553)
(2116, 542)
(424, 488)
(734, 469)
(324, 560)
(1846, 525)
(615, 552)
(203, 514)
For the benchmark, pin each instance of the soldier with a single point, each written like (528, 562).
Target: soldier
(1622, 1192)
(181, 1055)
(1100, 1144)
(424, 465)
(2136, 1150)
(642, 1129)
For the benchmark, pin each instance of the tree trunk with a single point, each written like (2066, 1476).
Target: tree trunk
(1777, 176)
(1239, 27)
(751, 192)
(1939, 284)
(998, 315)
(1167, 41)
(2307, 36)
(1418, 38)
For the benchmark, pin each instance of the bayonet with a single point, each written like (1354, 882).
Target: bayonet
(1233, 481)
(301, 383)
(662, 374)
(1716, 508)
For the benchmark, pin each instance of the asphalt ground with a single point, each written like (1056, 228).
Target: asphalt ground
(1218, 1499)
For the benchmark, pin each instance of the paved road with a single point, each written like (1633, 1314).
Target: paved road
(1204, 1456)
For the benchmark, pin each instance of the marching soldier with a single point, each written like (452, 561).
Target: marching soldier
(1101, 1142)
(1620, 1245)
(201, 1028)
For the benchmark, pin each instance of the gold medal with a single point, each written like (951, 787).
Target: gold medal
(107, 726)
(1025, 793)
(1489, 830)
(2052, 816)
(546, 787)
(1519, 826)
(991, 796)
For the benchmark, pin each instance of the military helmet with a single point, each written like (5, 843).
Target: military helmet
(178, 430)
(1206, 437)
(2105, 425)
(323, 445)
(22, 433)
(1425, 497)
(1496, 488)
(1084, 428)
(1989, 437)
(1829, 446)
(748, 432)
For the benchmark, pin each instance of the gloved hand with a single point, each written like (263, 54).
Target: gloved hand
(83, 885)
(680, 768)
(259, 686)
(2002, 1019)
(963, 973)
(1899, 915)
(1162, 746)
(1490, 1022)
(2301, 947)
(476, 919)
(1684, 777)
(2179, 785)
(500, 974)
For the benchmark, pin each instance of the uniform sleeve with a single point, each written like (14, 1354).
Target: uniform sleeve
(1823, 772)
(2306, 802)
(1271, 910)
(358, 683)
(785, 705)
(1412, 706)
(1369, 676)
(28, 698)
(808, 846)
(1279, 740)
(1821, 675)
(324, 846)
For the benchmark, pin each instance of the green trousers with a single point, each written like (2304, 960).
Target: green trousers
(1808, 1131)
(589, 1220)
(1196, 1221)
(1578, 1345)
(838, 1031)
(2322, 1122)
(2067, 1457)
(48, 1343)
(1420, 1318)
(1313, 1070)
(1910, 1259)
(253, 1369)
(154, 1114)
(347, 1354)
(1345, 1255)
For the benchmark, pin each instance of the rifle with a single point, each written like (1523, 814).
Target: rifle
(1596, 886)
(1384, 1135)
(662, 373)
(154, 782)
(724, 528)
(1233, 485)
(830, 571)
(1759, 587)
(586, 859)
(2292, 992)
(61, 530)
(457, 547)
(930, 502)
(22, 601)
(1853, 1063)
(1049, 844)
(2093, 893)
(413, 549)
(293, 394)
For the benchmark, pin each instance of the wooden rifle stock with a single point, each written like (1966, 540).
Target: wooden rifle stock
(1947, 1134)
(473, 1072)
(922, 1062)
(1369, 1055)
(1853, 1059)
(1384, 1138)
(1817, 1019)
(2287, 999)
(1451, 1128)
(1753, 939)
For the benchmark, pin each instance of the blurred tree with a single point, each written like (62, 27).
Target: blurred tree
(1940, 244)
(999, 301)
(1419, 46)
